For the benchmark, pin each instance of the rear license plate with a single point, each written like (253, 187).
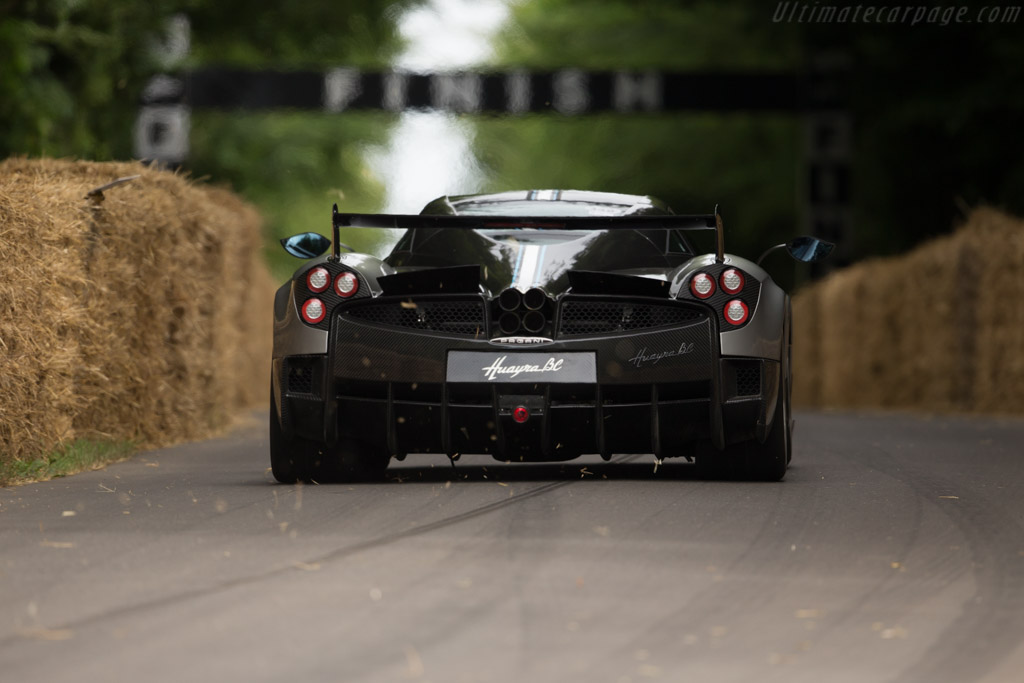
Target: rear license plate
(509, 366)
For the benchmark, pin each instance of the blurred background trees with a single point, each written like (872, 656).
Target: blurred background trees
(936, 116)
(937, 109)
(71, 75)
(748, 163)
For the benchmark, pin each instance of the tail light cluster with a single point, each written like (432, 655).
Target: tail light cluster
(318, 279)
(346, 284)
(313, 311)
(324, 287)
(702, 285)
(736, 312)
(731, 282)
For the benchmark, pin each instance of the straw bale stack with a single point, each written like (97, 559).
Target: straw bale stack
(938, 329)
(145, 316)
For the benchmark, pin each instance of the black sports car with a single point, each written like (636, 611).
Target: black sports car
(532, 326)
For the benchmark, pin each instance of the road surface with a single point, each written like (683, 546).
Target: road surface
(893, 551)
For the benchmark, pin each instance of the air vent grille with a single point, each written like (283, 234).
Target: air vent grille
(609, 317)
(456, 317)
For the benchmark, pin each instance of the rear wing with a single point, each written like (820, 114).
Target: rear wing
(710, 221)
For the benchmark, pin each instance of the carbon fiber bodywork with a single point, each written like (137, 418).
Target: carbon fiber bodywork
(419, 362)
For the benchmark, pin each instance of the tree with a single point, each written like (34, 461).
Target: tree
(747, 163)
(73, 74)
(936, 111)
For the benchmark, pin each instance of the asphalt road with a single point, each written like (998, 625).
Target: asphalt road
(893, 551)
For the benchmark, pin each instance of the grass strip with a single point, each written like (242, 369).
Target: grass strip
(77, 456)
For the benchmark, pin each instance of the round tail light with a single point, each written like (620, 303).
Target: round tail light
(318, 280)
(702, 285)
(346, 284)
(732, 281)
(736, 312)
(520, 414)
(313, 311)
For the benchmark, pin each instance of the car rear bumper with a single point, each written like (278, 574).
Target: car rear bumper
(655, 392)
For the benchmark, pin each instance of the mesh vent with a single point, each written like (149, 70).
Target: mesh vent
(300, 376)
(607, 317)
(748, 379)
(452, 317)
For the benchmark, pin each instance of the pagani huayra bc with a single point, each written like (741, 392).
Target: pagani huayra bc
(531, 326)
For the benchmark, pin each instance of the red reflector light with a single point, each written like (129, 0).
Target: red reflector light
(732, 281)
(313, 311)
(318, 279)
(702, 285)
(520, 414)
(736, 312)
(346, 284)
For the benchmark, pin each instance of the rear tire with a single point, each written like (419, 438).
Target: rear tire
(752, 460)
(291, 459)
(768, 461)
(294, 459)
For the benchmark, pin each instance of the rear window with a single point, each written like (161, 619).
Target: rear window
(540, 208)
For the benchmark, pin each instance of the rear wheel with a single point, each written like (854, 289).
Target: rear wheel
(292, 459)
(751, 460)
(768, 461)
(295, 459)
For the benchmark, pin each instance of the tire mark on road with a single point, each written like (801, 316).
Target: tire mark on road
(988, 629)
(334, 555)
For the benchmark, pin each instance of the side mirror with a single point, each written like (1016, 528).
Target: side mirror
(805, 249)
(306, 245)
(809, 249)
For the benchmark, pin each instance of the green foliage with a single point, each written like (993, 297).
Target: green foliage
(72, 73)
(283, 35)
(293, 166)
(656, 34)
(77, 456)
(936, 111)
(748, 164)
(692, 162)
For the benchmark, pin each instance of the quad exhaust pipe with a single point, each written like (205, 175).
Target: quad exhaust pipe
(509, 323)
(534, 321)
(522, 312)
(510, 299)
(535, 298)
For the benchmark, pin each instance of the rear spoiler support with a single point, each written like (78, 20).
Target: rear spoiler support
(720, 234)
(711, 221)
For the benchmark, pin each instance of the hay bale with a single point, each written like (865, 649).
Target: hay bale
(999, 312)
(144, 317)
(938, 329)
